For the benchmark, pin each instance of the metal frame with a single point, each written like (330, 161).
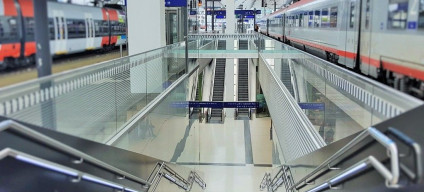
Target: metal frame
(77, 175)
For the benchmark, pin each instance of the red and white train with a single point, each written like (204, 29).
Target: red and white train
(72, 29)
(380, 38)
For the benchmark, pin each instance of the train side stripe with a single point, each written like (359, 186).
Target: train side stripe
(369, 61)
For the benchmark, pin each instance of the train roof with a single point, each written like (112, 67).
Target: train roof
(292, 6)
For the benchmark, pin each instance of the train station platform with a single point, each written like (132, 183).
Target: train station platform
(309, 117)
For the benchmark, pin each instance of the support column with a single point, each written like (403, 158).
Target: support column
(230, 18)
(44, 62)
(146, 25)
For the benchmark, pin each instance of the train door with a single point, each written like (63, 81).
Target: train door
(352, 34)
(89, 31)
(366, 35)
(60, 30)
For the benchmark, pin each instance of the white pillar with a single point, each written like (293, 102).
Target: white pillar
(231, 18)
(146, 25)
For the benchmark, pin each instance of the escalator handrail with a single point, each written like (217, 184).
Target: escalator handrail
(377, 135)
(39, 137)
(78, 175)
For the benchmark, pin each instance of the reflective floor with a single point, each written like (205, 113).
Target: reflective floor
(229, 154)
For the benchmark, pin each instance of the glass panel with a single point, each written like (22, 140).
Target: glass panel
(398, 14)
(317, 18)
(95, 102)
(352, 15)
(333, 17)
(421, 15)
(325, 21)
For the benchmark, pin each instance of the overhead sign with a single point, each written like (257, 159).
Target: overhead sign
(247, 12)
(175, 3)
(217, 13)
(215, 105)
(193, 12)
(312, 106)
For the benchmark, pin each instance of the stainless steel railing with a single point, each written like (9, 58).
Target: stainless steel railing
(162, 170)
(391, 176)
(55, 144)
(77, 175)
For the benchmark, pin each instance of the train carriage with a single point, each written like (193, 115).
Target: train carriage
(72, 29)
(380, 38)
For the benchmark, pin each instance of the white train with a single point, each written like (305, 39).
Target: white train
(73, 28)
(380, 38)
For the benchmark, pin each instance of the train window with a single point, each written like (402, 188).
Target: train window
(311, 18)
(325, 21)
(398, 14)
(76, 28)
(51, 29)
(352, 15)
(300, 20)
(317, 18)
(367, 15)
(306, 19)
(333, 17)
(296, 21)
(30, 29)
(12, 33)
(421, 15)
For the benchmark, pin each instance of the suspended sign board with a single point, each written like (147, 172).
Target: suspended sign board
(313, 106)
(216, 105)
(175, 3)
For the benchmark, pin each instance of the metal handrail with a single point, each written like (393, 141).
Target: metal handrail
(354, 170)
(377, 135)
(78, 175)
(34, 135)
(163, 170)
(416, 148)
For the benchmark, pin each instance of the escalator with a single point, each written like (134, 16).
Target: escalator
(286, 76)
(243, 84)
(218, 86)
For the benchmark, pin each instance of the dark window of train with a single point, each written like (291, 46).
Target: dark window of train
(421, 15)
(367, 15)
(317, 18)
(398, 14)
(11, 30)
(30, 29)
(51, 29)
(333, 17)
(352, 15)
(325, 21)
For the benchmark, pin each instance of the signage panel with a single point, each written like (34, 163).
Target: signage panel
(175, 3)
(215, 105)
(312, 106)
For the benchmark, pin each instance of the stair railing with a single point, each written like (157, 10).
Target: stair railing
(162, 170)
(391, 176)
(57, 145)
(75, 174)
